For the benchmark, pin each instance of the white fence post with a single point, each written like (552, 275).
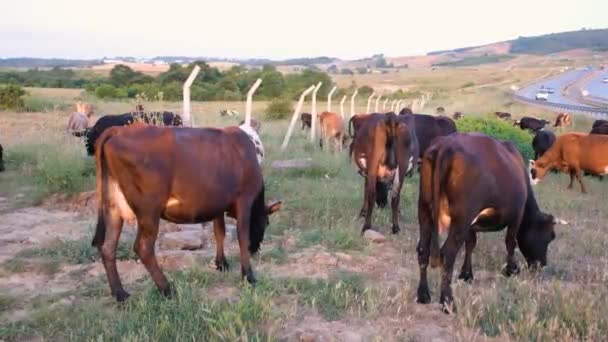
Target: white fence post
(294, 118)
(248, 107)
(369, 102)
(352, 103)
(377, 103)
(331, 92)
(186, 95)
(384, 104)
(313, 120)
(393, 105)
(342, 106)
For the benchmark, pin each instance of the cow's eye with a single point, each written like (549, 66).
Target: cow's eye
(533, 173)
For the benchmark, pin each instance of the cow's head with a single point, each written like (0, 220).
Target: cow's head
(259, 220)
(537, 170)
(534, 239)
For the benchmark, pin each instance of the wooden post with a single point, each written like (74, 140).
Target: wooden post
(377, 103)
(331, 92)
(342, 106)
(313, 113)
(248, 107)
(294, 118)
(369, 102)
(384, 104)
(186, 95)
(352, 103)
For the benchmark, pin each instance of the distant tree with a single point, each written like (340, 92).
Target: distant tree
(346, 71)
(362, 70)
(11, 97)
(333, 69)
(122, 75)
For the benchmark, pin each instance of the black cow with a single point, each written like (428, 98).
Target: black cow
(472, 183)
(306, 119)
(405, 111)
(503, 115)
(599, 122)
(600, 128)
(1, 159)
(543, 140)
(532, 124)
(154, 118)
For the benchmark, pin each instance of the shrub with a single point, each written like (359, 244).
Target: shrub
(500, 130)
(279, 108)
(106, 91)
(11, 97)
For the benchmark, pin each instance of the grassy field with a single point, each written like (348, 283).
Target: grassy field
(319, 279)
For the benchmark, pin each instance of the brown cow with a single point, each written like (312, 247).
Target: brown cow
(331, 126)
(384, 150)
(306, 119)
(563, 120)
(355, 122)
(573, 152)
(183, 175)
(503, 115)
(472, 183)
(429, 127)
(78, 123)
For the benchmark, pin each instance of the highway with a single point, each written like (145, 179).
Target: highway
(560, 101)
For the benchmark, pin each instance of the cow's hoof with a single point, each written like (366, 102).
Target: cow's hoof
(121, 296)
(168, 292)
(363, 213)
(423, 296)
(466, 276)
(395, 229)
(447, 303)
(222, 265)
(511, 270)
(251, 278)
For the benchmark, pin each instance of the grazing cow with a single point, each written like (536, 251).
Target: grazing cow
(573, 152)
(600, 129)
(440, 111)
(532, 124)
(429, 127)
(78, 124)
(306, 119)
(1, 159)
(139, 108)
(384, 150)
(355, 122)
(164, 118)
(543, 140)
(599, 122)
(145, 173)
(472, 183)
(85, 108)
(255, 124)
(228, 112)
(503, 115)
(563, 120)
(331, 126)
(457, 115)
(405, 111)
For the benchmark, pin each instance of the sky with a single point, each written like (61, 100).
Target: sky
(278, 29)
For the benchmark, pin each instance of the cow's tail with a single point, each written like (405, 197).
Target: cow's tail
(350, 127)
(440, 167)
(102, 188)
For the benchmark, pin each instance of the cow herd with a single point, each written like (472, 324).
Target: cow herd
(469, 183)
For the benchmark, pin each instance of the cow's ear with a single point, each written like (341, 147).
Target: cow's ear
(273, 207)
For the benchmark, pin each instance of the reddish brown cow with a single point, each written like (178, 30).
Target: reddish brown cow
(472, 183)
(384, 150)
(573, 153)
(183, 175)
(331, 126)
(355, 122)
(563, 120)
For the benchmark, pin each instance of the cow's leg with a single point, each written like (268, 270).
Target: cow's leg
(395, 199)
(572, 173)
(466, 273)
(363, 211)
(147, 232)
(458, 232)
(580, 180)
(511, 242)
(107, 248)
(424, 251)
(219, 231)
(370, 192)
(243, 216)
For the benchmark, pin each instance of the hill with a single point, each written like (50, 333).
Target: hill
(26, 62)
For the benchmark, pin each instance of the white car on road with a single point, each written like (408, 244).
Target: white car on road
(542, 94)
(605, 80)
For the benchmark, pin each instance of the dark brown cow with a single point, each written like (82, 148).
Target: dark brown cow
(472, 183)
(572, 153)
(1, 159)
(384, 150)
(563, 120)
(429, 127)
(306, 119)
(183, 175)
(503, 115)
(355, 122)
(457, 115)
(405, 111)
(440, 111)
(599, 122)
(331, 126)
(600, 129)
